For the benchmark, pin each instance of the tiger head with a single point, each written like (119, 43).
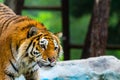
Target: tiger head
(41, 47)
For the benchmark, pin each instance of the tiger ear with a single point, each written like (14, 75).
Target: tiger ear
(59, 34)
(32, 32)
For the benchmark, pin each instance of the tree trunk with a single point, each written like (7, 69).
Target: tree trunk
(65, 27)
(15, 5)
(96, 39)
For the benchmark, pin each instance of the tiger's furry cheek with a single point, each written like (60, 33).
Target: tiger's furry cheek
(60, 54)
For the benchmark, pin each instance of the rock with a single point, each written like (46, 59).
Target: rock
(97, 68)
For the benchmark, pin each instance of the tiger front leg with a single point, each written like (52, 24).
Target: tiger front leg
(8, 77)
(32, 75)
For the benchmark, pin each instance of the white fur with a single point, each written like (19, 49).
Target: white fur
(55, 43)
(45, 42)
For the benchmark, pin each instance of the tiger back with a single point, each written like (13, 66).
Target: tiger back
(25, 46)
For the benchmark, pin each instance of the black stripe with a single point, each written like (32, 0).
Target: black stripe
(28, 34)
(12, 51)
(6, 17)
(32, 42)
(26, 55)
(38, 38)
(34, 71)
(2, 16)
(6, 21)
(11, 20)
(17, 48)
(11, 76)
(1, 13)
(37, 48)
(38, 56)
(42, 24)
(29, 45)
(21, 19)
(31, 53)
(34, 65)
(32, 49)
(13, 66)
(3, 20)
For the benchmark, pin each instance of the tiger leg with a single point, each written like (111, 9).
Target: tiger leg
(32, 75)
(9, 77)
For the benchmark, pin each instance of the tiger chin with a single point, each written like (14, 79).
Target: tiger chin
(25, 46)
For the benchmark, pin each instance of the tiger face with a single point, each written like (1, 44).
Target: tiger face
(43, 49)
(45, 52)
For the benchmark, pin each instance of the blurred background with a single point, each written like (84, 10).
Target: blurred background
(80, 12)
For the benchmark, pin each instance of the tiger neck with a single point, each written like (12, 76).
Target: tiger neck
(16, 68)
(12, 69)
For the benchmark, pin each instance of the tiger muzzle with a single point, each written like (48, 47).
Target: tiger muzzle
(49, 63)
(51, 60)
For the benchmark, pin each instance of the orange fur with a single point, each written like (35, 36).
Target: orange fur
(13, 33)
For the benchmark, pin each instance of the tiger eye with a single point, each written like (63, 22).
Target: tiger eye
(42, 46)
(55, 48)
(41, 41)
(36, 53)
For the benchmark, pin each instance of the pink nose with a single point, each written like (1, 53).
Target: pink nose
(51, 59)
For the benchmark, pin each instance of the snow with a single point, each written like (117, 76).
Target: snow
(97, 68)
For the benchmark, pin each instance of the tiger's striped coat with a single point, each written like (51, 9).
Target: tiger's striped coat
(25, 45)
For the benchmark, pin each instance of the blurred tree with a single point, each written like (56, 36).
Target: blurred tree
(114, 29)
(96, 39)
(80, 7)
(15, 5)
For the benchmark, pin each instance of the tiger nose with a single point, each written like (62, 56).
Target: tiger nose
(51, 59)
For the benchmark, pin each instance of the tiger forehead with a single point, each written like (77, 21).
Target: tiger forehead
(46, 39)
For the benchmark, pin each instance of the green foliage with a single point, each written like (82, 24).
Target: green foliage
(51, 20)
(115, 6)
(116, 53)
(114, 30)
(79, 8)
(75, 53)
(43, 2)
(78, 29)
(113, 20)
(1, 1)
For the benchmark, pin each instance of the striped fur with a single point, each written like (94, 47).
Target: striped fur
(26, 45)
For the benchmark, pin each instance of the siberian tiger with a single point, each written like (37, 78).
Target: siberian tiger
(25, 46)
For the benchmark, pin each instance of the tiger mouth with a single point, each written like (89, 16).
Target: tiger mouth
(40, 64)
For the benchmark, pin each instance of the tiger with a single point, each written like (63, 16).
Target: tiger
(25, 46)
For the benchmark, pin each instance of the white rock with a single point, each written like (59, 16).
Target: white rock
(98, 68)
